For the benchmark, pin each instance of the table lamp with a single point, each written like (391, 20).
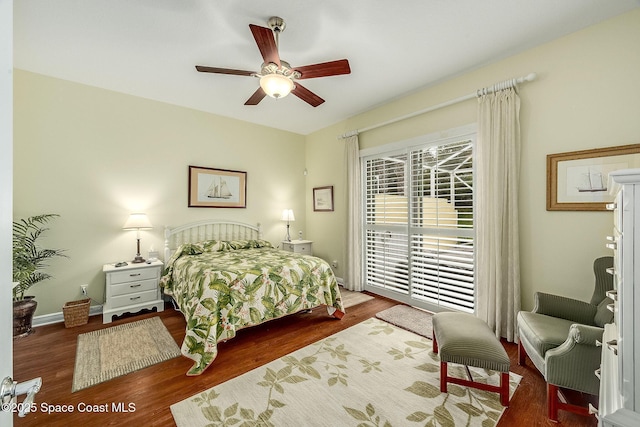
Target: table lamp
(137, 221)
(287, 215)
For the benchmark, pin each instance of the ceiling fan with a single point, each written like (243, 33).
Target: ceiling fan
(277, 77)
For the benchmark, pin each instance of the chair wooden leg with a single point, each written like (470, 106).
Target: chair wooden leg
(556, 401)
(522, 354)
(435, 342)
(552, 402)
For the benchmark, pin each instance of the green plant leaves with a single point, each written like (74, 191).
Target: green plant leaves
(29, 258)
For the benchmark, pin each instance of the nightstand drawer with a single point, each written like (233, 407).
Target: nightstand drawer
(133, 287)
(134, 275)
(298, 247)
(301, 249)
(132, 299)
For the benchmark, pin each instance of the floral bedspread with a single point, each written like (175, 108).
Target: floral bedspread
(222, 286)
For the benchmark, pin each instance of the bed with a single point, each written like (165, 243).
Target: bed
(224, 277)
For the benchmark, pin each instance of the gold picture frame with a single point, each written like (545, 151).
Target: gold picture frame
(217, 188)
(577, 180)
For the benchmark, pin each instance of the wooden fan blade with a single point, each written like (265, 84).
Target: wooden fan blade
(204, 69)
(325, 69)
(306, 95)
(257, 96)
(266, 43)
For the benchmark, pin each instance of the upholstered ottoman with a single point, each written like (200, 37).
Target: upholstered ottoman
(464, 339)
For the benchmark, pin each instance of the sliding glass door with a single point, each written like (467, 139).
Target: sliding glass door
(418, 224)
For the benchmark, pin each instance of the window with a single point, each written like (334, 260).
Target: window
(419, 234)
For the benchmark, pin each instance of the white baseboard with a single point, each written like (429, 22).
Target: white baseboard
(48, 319)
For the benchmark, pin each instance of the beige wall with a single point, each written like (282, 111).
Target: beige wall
(326, 166)
(94, 156)
(587, 95)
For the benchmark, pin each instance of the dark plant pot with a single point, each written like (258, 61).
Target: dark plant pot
(23, 316)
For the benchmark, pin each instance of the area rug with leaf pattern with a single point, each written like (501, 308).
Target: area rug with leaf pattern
(371, 374)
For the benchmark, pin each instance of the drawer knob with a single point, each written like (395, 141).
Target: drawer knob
(134, 274)
(137, 285)
(134, 298)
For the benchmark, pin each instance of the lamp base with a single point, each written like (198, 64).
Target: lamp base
(138, 259)
(288, 236)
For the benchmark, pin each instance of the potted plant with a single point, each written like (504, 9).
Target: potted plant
(28, 261)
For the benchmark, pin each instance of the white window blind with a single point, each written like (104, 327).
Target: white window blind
(386, 223)
(419, 224)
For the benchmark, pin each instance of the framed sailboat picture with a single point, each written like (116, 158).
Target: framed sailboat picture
(217, 188)
(578, 180)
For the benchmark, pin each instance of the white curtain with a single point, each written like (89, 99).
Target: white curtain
(497, 237)
(353, 270)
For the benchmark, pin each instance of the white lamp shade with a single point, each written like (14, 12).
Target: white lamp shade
(287, 215)
(137, 221)
(276, 85)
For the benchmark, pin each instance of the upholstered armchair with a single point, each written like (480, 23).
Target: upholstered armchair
(560, 335)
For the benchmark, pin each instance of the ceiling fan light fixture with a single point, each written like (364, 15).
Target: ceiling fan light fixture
(276, 85)
(277, 78)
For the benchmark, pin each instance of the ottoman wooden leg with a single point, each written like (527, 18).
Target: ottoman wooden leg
(504, 388)
(443, 377)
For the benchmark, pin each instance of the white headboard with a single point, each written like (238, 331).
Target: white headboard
(208, 230)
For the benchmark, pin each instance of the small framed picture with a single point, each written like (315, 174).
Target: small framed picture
(217, 188)
(323, 199)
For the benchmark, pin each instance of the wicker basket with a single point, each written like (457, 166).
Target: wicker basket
(76, 313)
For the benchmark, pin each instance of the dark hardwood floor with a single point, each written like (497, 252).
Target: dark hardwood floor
(50, 354)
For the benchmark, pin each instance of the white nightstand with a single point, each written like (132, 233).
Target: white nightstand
(298, 246)
(132, 288)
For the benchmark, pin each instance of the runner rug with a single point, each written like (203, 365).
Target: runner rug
(112, 352)
(409, 318)
(351, 298)
(371, 374)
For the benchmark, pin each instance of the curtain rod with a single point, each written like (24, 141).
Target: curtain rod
(484, 91)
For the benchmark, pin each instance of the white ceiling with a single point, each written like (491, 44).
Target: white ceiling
(149, 48)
